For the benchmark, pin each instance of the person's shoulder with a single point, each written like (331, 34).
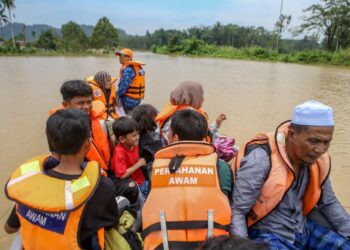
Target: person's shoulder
(119, 147)
(129, 69)
(105, 186)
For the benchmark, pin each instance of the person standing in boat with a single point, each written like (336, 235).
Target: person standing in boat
(281, 176)
(131, 86)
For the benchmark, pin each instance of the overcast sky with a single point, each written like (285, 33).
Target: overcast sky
(138, 16)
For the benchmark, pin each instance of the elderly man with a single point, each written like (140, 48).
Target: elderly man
(131, 87)
(280, 177)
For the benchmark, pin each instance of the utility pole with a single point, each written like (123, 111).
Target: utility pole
(280, 31)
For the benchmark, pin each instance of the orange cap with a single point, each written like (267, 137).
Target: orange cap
(126, 52)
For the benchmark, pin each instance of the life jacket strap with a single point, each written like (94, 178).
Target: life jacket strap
(182, 225)
(175, 163)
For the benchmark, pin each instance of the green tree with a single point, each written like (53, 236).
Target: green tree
(104, 35)
(74, 38)
(3, 19)
(47, 40)
(10, 6)
(332, 19)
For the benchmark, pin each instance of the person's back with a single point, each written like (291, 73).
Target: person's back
(185, 185)
(64, 201)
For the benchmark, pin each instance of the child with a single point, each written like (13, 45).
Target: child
(187, 95)
(126, 162)
(150, 140)
(63, 204)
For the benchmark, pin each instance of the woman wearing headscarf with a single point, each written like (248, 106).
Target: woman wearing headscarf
(187, 95)
(104, 94)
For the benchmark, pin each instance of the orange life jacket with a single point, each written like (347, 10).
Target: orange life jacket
(281, 176)
(99, 150)
(169, 110)
(185, 195)
(50, 209)
(99, 94)
(136, 89)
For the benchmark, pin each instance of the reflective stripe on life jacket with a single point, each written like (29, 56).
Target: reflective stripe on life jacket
(136, 89)
(50, 209)
(184, 183)
(99, 94)
(281, 176)
(169, 110)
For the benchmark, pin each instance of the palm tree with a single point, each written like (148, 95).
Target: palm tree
(10, 5)
(3, 19)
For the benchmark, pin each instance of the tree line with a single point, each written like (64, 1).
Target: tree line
(326, 24)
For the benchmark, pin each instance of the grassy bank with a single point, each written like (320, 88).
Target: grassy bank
(32, 51)
(193, 47)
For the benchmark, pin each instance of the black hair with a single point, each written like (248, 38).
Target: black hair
(228, 242)
(123, 126)
(299, 128)
(144, 115)
(67, 130)
(73, 88)
(189, 125)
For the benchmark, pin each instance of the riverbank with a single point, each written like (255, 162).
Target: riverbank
(32, 51)
(198, 48)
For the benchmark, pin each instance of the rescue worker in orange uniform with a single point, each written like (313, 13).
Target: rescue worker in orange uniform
(131, 86)
(186, 184)
(281, 176)
(77, 94)
(62, 204)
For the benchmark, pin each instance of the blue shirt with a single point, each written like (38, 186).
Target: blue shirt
(128, 74)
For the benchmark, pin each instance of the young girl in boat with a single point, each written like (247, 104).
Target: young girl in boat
(150, 140)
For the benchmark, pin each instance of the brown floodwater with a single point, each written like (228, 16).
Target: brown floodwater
(255, 96)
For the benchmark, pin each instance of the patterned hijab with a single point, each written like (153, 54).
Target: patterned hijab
(102, 77)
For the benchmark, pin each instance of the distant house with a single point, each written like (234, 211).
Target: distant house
(21, 43)
(1, 41)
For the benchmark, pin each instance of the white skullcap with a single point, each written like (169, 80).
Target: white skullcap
(313, 113)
